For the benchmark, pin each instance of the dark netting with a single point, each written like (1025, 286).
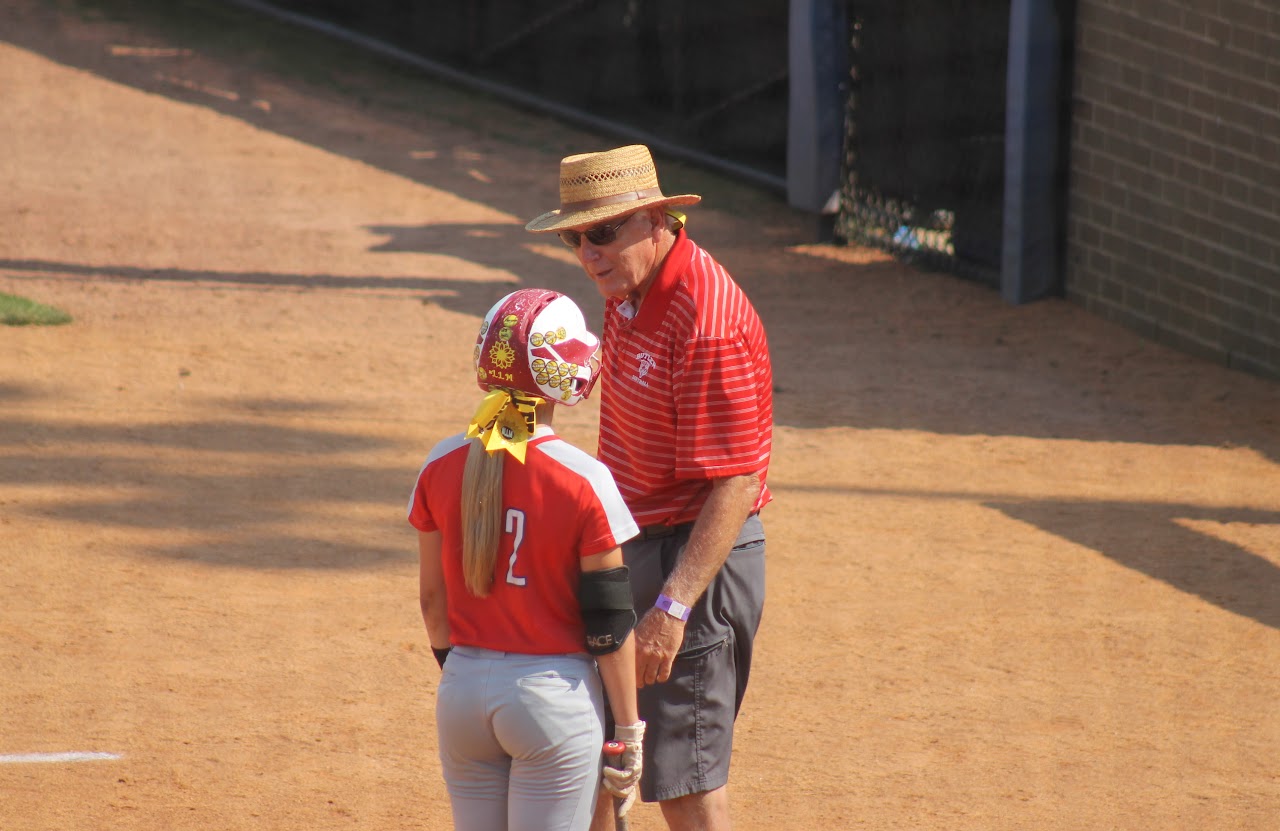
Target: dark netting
(711, 76)
(924, 152)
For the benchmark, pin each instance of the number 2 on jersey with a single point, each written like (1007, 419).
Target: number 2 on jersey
(515, 525)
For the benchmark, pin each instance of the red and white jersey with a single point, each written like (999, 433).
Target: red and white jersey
(559, 506)
(686, 390)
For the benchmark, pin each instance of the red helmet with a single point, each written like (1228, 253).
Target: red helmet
(536, 341)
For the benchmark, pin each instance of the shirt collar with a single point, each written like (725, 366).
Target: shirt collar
(653, 309)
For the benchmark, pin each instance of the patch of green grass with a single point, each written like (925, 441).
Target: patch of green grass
(19, 311)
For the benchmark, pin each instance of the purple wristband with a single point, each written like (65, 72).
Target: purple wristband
(675, 608)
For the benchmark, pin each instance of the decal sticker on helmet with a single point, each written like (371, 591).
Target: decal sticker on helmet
(502, 355)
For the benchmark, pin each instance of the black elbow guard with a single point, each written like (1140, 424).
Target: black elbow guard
(607, 610)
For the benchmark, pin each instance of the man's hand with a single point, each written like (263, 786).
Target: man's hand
(658, 638)
(622, 772)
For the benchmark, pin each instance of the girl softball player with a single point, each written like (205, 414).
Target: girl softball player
(523, 591)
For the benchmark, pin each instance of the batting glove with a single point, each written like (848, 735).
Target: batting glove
(622, 773)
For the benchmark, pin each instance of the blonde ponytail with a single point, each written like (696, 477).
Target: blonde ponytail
(481, 517)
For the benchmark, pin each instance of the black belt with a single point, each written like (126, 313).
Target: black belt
(657, 532)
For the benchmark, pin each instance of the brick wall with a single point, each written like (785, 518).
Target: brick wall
(1174, 214)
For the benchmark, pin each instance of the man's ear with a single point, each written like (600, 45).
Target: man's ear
(657, 221)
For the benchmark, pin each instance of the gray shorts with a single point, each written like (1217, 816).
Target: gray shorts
(689, 734)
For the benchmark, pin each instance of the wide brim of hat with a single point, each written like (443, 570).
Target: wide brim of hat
(558, 220)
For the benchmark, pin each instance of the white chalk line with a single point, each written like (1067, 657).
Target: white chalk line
(73, 756)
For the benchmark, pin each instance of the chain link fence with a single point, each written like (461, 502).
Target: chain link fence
(923, 165)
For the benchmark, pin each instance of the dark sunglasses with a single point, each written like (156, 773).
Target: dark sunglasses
(601, 234)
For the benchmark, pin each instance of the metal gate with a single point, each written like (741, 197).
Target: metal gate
(924, 151)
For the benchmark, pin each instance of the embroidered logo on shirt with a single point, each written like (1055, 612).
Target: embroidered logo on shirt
(645, 362)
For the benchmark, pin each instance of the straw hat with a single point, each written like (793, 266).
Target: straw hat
(595, 187)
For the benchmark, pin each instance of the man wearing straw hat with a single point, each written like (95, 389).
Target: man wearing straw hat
(686, 423)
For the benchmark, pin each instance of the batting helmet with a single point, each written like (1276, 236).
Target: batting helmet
(536, 341)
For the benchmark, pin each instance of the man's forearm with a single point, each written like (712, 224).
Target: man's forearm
(712, 537)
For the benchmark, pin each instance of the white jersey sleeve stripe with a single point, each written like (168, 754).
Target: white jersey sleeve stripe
(443, 448)
(597, 475)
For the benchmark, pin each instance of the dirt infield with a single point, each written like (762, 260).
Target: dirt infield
(1024, 566)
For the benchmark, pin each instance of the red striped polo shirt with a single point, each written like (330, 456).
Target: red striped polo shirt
(686, 391)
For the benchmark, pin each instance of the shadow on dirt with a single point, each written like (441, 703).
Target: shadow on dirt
(285, 475)
(1186, 547)
(211, 436)
(290, 552)
(1155, 540)
(457, 295)
(10, 391)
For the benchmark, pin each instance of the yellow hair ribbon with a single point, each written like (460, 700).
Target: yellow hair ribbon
(680, 218)
(503, 427)
(488, 410)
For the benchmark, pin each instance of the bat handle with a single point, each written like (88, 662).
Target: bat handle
(613, 751)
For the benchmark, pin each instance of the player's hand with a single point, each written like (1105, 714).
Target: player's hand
(658, 638)
(622, 773)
